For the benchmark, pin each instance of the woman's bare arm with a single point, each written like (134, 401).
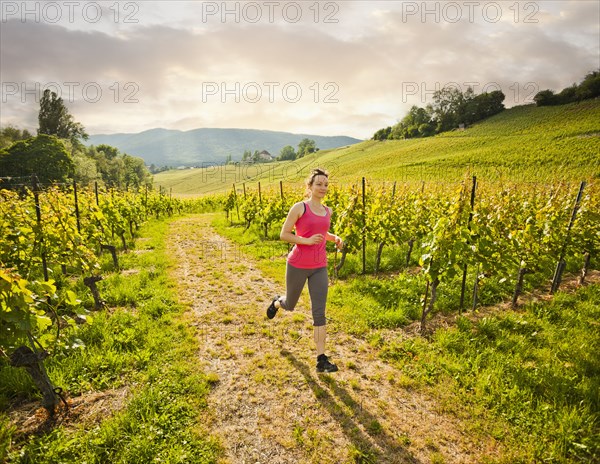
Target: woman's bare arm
(287, 235)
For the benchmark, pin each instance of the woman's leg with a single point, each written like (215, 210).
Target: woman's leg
(318, 285)
(320, 338)
(295, 279)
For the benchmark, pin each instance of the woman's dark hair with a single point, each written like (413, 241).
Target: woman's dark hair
(314, 173)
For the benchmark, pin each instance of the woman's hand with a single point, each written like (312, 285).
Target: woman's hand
(314, 240)
(339, 243)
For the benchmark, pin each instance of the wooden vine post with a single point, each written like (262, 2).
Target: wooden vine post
(364, 229)
(464, 276)
(237, 205)
(39, 235)
(560, 266)
(76, 206)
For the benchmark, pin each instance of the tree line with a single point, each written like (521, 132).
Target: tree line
(305, 147)
(450, 108)
(287, 153)
(588, 88)
(56, 153)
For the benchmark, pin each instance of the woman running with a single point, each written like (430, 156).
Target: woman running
(308, 259)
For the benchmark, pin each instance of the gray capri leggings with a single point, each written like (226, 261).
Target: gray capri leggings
(318, 284)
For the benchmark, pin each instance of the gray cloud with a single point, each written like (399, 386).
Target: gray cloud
(164, 66)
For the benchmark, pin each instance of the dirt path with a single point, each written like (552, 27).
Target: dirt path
(269, 404)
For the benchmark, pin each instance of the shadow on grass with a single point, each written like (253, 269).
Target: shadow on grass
(371, 445)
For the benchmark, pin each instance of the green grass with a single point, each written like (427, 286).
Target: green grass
(531, 378)
(524, 143)
(143, 343)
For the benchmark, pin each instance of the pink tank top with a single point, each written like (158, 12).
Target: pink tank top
(309, 224)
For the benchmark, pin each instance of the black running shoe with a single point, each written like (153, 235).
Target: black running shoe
(272, 309)
(323, 364)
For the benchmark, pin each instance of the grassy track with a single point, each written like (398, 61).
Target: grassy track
(269, 404)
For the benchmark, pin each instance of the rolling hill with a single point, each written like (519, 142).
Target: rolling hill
(165, 147)
(524, 143)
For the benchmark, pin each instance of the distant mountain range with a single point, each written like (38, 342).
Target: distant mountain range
(165, 147)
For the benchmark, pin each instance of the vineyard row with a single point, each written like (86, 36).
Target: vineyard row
(503, 232)
(50, 235)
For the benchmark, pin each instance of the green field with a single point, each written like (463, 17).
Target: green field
(524, 143)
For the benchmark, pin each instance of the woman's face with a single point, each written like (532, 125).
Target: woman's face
(318, 189)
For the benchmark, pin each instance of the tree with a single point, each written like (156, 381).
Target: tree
(448, 108)
(114, 173)
(85, 170)
(465, 108)
(120, 170)
(287, 153)
(10, 135)
(545, 98)
(109, 152)
(305, 147)
(416, 123)
(426, 129)
(108, 164)
(136, 174)
(488, 104)
(55, 119)
(44, 155)
(590, 86)
(382, 134)
(568, 95)
(247, 156)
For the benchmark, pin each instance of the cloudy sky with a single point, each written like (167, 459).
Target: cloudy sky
(324, 68)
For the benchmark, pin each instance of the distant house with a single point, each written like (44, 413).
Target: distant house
(265, 156)
(262, 157)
